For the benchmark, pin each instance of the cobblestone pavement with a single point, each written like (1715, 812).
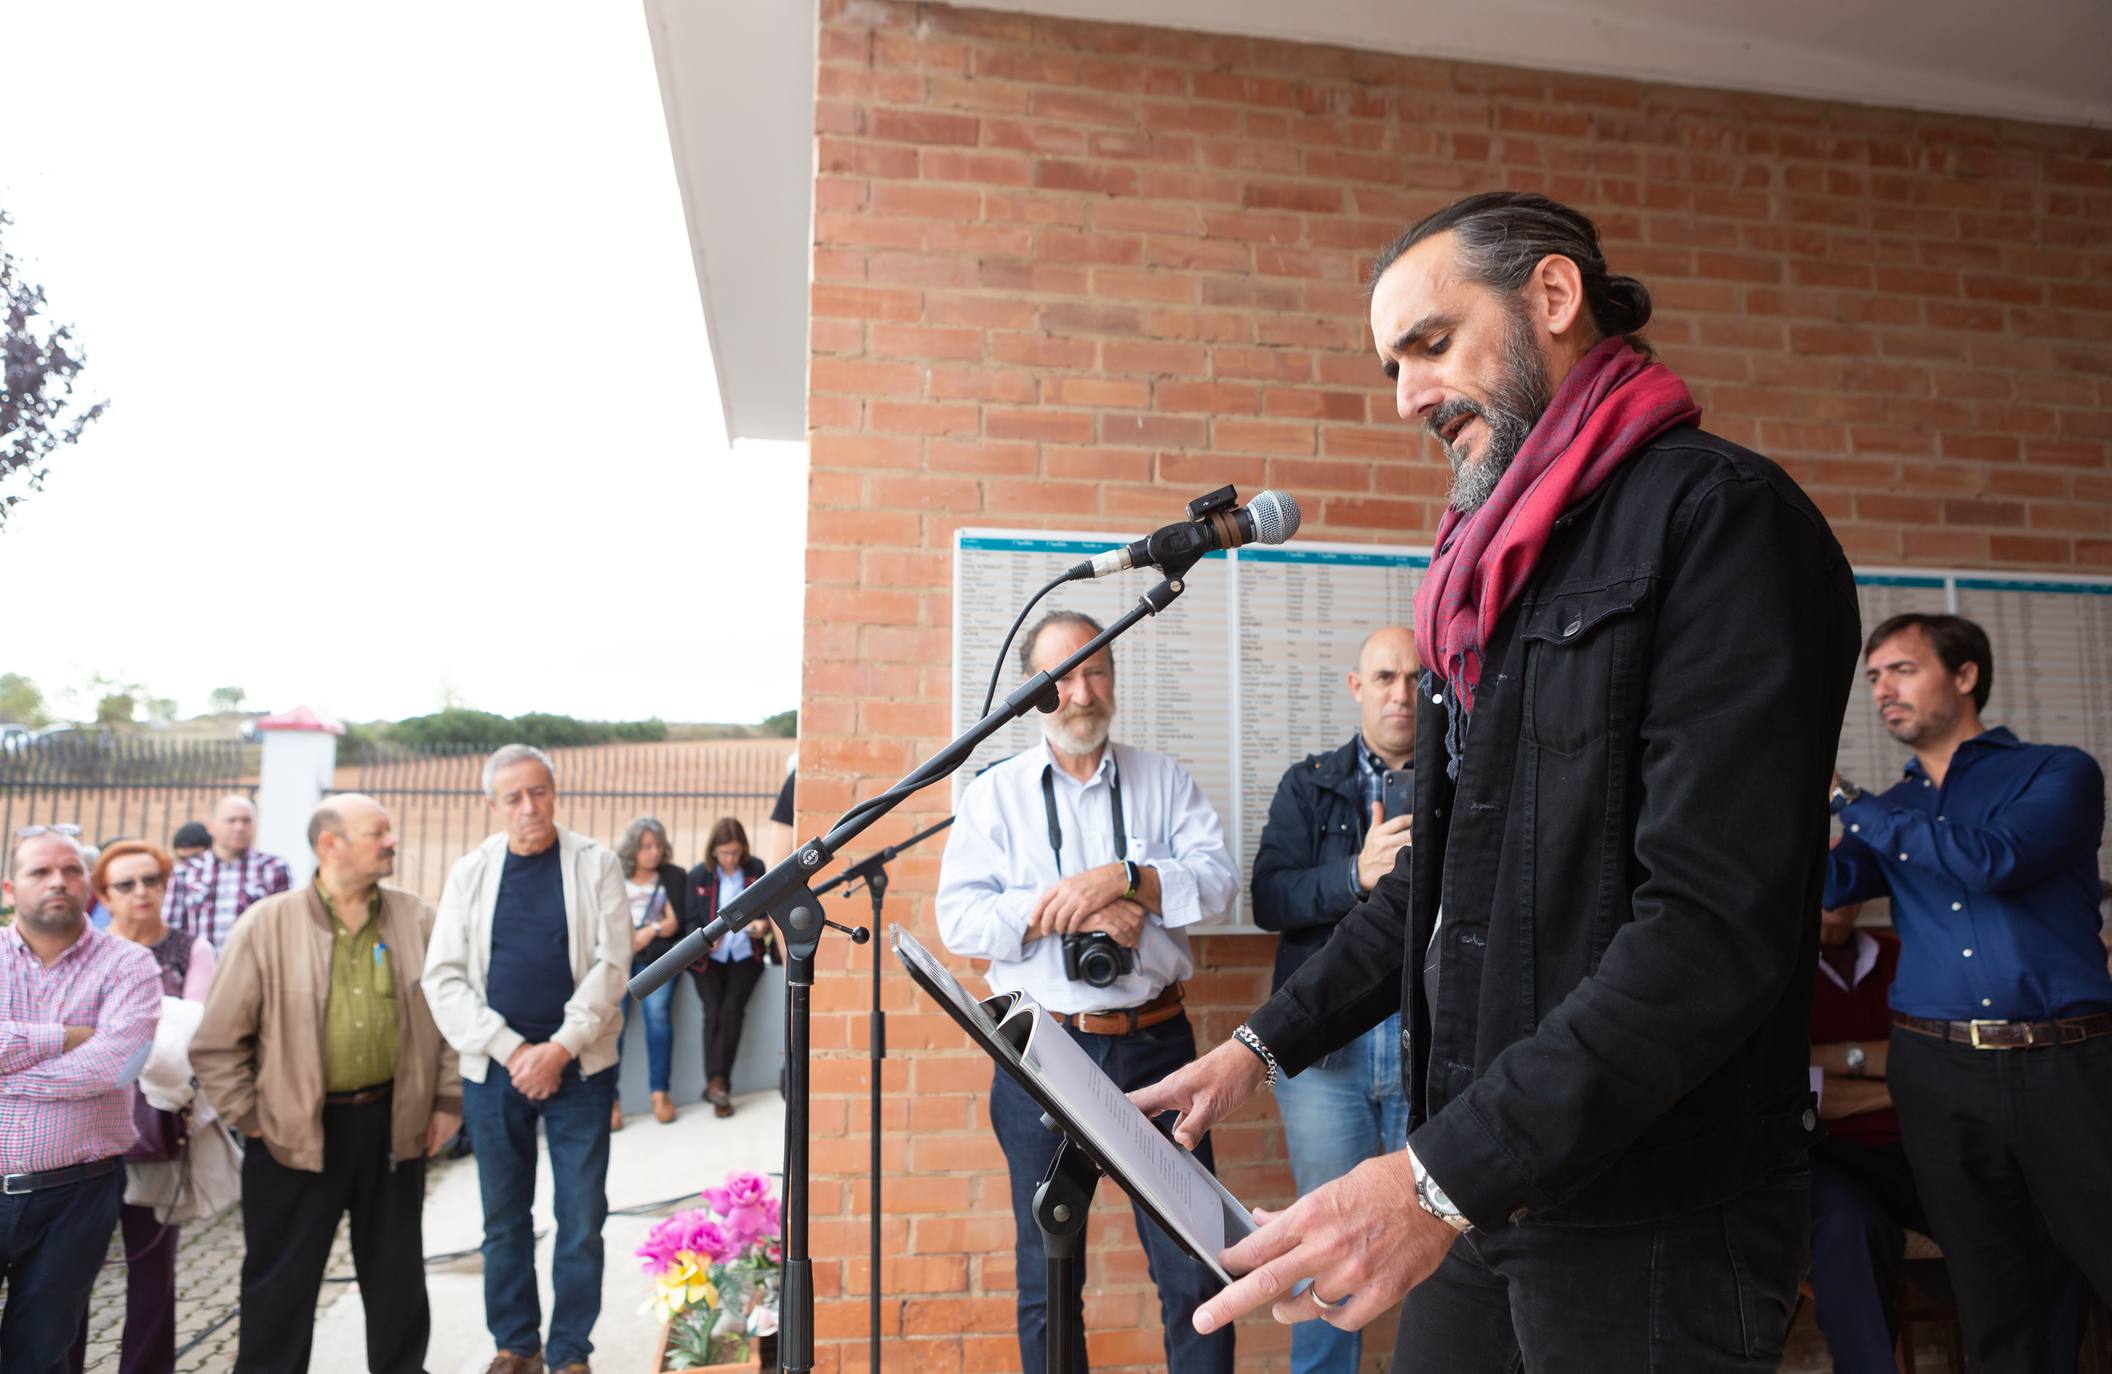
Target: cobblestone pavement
(208, 1291)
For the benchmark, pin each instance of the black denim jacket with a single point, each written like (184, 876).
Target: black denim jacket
(1629, 863)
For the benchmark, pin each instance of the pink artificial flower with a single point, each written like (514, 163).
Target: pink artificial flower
(693, 1231)
(746, 1204)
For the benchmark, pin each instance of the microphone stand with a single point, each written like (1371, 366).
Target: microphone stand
(872, 870)
(784, 895)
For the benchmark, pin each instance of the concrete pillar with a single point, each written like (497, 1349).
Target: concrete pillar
(300, 763)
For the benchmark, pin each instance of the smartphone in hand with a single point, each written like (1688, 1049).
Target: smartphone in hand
(1399, 795)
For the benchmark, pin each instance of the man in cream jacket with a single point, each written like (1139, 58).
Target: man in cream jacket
(525, 976)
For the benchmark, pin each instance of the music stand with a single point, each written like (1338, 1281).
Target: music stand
(1066, 1191)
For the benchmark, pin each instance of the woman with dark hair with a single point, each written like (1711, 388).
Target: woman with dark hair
(727, 975)
(657, 888)
(130, 878)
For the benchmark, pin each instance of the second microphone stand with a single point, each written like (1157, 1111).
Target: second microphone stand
(785, 896)
(872, 871)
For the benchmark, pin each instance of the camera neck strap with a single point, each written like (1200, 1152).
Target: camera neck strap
(1114, 810)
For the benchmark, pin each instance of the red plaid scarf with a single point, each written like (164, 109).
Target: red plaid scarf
(1613, 402)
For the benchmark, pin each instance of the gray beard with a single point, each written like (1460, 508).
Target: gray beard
(1518, 401)
(1066, 739)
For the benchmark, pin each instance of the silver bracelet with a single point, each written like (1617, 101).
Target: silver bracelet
(1245, 1035)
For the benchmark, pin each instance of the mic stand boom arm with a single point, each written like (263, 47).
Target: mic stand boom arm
(784, 895)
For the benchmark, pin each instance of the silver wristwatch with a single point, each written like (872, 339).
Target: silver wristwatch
(1432, 1199)
(1844, 792)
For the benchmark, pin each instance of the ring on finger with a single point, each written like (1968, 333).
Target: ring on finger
(1322, 1303)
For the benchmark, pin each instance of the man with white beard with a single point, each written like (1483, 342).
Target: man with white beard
(1074, 868)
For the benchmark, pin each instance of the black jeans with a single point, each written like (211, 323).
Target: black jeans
(1708, 1292)
(725, 989)
(52, 1242)
(2008, 1145)
(1136, 1060)
(289, 1219)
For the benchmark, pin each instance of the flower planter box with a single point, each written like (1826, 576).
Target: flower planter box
(766, 1345)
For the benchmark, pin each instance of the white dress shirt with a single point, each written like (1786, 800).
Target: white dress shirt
(998, 863)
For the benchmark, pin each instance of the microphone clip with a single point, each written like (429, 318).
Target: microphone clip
(1211, 502)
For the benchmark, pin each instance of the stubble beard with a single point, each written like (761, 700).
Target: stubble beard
(1921, 725)
(50, 917)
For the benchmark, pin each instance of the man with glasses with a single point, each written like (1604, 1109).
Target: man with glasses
(78, 1009)
(210, 893)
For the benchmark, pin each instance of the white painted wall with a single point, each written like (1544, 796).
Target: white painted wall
(297, 770)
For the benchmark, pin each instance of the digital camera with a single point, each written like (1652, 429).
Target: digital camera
(1095, 959)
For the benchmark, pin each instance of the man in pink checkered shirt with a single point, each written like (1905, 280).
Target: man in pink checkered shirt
(209, 893)
(78, 1008)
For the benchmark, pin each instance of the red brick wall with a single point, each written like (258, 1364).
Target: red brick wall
(1070, 273)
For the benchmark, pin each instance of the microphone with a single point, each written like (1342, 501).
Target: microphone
(1270, 518)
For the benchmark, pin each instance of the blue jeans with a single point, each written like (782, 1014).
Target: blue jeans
(52, 1242)
(1134, 1061)
(659, 1030)
(1334, 1118)
(502, 1131)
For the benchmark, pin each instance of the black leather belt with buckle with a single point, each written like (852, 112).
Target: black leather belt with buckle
(14, 1185)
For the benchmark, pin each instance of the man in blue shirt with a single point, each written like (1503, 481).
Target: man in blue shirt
(2001, 1050)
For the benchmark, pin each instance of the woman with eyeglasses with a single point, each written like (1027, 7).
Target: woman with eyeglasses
(130, 877)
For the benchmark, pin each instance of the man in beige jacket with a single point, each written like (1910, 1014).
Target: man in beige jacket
(319, 1047)
(526, 974)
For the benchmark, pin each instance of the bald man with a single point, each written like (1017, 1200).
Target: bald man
(209, 894)
(318, 1045)
(1327, 841)
(78, 1008)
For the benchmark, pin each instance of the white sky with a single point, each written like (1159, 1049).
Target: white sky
(410, 385)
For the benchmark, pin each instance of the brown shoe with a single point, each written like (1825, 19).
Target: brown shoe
(576, 1367)
(722, 1109)
(506, 1362)
(663, 1108)
(615, 1117)
(715, 1093)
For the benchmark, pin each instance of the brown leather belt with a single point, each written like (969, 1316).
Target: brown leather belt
(2010, 1035)
(360, 1098)
(1163, 1007)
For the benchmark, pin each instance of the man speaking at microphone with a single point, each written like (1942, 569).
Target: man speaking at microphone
(1603, 942)
(1073, 867)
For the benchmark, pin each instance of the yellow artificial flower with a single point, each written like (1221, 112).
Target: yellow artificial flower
(685, 1283)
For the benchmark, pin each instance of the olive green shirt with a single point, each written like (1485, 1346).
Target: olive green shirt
(359, 1021)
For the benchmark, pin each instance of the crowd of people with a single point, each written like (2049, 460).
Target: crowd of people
(180, 1035)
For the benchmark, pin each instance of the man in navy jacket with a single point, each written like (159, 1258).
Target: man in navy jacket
(1327, 843)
